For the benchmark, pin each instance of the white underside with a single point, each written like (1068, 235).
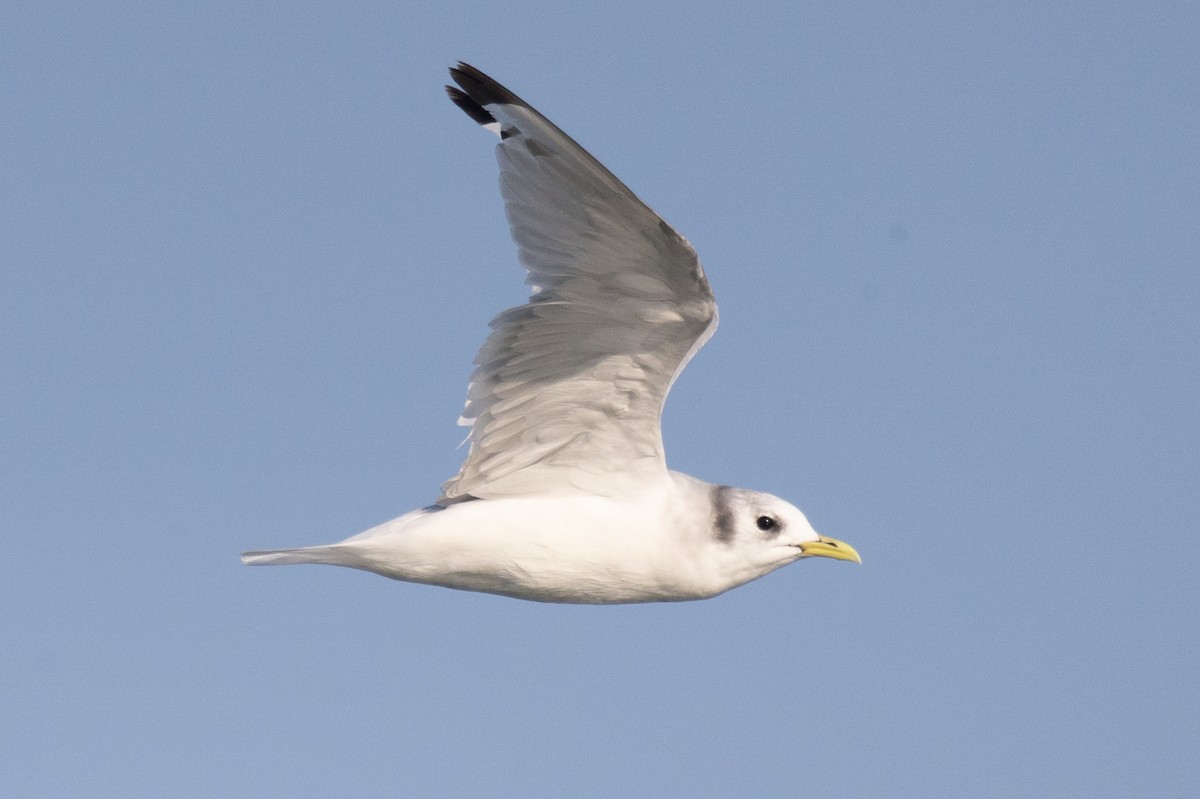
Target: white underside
(652, 546)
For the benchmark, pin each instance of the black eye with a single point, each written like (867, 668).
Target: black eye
(765, 523)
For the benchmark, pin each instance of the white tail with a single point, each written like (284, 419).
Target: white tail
(284, 557)
(344, 553)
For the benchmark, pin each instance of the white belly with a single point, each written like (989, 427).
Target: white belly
(578, 549)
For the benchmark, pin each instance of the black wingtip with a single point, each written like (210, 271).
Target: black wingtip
(481, 88)
(474, 110)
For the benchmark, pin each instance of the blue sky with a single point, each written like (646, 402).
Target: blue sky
(249, 252)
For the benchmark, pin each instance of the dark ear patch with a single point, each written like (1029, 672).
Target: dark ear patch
(723, 523)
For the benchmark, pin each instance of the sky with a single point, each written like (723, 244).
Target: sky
(248, 251)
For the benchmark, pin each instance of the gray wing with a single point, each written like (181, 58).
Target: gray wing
(568, 389)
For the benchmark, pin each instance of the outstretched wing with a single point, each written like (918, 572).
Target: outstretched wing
(569, 387)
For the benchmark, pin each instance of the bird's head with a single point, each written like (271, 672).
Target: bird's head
(768, 532)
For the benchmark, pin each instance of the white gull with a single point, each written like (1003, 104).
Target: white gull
(565, 495)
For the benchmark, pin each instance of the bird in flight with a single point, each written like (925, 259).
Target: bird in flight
(565, 494)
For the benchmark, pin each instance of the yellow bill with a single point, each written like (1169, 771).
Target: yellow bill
(830, 548)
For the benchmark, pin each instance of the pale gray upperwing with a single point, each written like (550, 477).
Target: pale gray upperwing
(568, 389)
